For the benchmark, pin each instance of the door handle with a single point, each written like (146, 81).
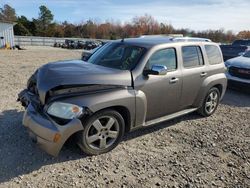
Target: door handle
(173, 80)
(203, 74)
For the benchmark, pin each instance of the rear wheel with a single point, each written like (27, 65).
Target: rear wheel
(102, 132)
(210, 102)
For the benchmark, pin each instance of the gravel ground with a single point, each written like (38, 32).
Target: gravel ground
(186, 152)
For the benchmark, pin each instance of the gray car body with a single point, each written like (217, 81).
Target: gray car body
(141, 100)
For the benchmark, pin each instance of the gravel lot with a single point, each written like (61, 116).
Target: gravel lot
(186, 152)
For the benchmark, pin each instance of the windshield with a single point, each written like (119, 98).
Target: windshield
(117, 55)
(247, 54)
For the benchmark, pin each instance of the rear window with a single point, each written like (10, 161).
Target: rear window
(192, 56)
(213, 54)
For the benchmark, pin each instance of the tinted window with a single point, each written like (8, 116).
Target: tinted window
(192, 56)
(166, 57)
(213, 54)
(118, 56)
(242, 42)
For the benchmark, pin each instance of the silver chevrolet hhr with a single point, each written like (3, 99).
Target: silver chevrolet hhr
(124, 85)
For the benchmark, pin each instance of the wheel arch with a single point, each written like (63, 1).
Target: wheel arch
(126, 116)
(124, 113)
(219, 87)
(219, 81)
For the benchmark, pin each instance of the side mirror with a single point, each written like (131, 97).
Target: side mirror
(156, 70)
(86, 55)
(85, 58)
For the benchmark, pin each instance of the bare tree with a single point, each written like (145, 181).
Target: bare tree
(7, 13)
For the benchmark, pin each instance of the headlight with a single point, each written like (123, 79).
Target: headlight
(64, 110)
(227, 64)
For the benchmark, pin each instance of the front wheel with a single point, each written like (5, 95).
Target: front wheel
(210, 102)
(102, 132)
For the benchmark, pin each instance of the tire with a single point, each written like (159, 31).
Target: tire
(102, 132)
(210, 102)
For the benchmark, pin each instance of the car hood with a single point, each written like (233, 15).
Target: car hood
(77, 72)
(241, 62)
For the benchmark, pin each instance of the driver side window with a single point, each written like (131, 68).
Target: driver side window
(166, 57)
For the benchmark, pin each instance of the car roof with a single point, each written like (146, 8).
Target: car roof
(150, 41)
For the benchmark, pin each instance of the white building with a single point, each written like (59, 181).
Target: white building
(6, 34)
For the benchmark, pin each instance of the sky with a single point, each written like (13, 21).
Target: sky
(197, 15)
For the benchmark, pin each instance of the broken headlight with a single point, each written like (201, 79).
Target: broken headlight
(64, 110)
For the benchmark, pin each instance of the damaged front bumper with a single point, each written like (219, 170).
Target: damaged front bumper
(49, 135)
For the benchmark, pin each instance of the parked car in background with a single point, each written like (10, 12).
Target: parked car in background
(79, 44)
(125, 85)
(235, 49)
(58, 44)
(238, 73)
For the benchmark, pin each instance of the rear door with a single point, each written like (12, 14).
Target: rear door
(194, 73)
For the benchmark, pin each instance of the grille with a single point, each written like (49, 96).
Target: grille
(240, 72)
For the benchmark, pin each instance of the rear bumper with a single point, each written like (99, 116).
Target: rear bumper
(43, 130)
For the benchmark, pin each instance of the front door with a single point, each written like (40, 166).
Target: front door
(162, 91)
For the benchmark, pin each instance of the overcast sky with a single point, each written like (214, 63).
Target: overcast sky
(193, 14)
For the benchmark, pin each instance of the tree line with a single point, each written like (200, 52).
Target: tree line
(44, 25)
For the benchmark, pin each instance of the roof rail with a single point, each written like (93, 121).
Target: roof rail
(178, 38)
(191, 39)
(161, 35)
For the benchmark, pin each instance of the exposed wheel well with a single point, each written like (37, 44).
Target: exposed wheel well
(219, 87)
(126, 116)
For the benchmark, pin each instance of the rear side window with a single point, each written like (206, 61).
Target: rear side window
(213, 54)
(166, 57)
(192, 56)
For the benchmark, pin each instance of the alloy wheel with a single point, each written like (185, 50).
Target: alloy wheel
(211, 103)
(102, 133)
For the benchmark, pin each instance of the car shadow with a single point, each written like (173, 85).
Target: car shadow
(237, 97)
(159, 126)
(19, 155)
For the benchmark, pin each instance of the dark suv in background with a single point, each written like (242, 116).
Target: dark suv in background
(125, 85)
(237, 48)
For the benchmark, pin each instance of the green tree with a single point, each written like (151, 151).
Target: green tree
(7, 13)
(24, 21)
(20, 29)
(44, 20)
(24, 26)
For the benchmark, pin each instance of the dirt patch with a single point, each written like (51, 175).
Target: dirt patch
(187, 152)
